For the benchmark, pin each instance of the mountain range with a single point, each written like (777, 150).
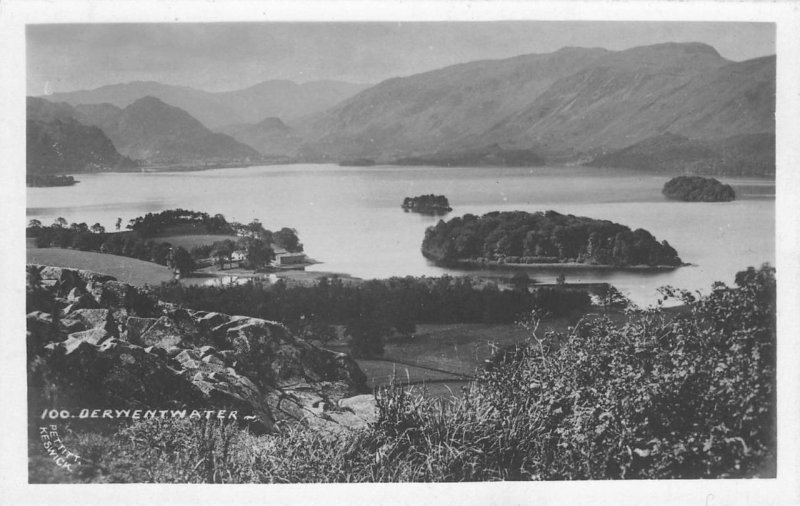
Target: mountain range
(285, 99)
(569, 105)
(56, 142)
(148, 130)
(675, 107)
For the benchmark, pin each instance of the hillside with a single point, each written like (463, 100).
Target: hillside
(151, 130)
(568, 105)
(57, 143)
(742, 155)
(270, 137)
(285, 99)
(422, 113)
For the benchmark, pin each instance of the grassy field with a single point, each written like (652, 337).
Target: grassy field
(190, 241)
(128, 270)
(442, 358)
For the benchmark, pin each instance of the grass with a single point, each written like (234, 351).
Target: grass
(441, 357)
(127, 270)
(190, 241)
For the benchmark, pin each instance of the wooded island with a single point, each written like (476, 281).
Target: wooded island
(427, 204)
(698, 189)
(543, 238)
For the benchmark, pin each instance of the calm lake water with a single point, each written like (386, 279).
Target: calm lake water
(350, 219)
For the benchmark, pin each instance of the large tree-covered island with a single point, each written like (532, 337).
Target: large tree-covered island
(543, 238)
(698, 189)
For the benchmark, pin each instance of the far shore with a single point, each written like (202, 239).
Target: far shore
(555, 164)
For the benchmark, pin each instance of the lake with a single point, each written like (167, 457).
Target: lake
(349, 218)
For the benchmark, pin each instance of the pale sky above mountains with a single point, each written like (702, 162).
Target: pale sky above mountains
(226, 56)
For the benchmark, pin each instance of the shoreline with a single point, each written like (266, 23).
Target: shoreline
(568, 266)
(567, 165)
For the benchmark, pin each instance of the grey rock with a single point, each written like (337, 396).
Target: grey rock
(136, 327)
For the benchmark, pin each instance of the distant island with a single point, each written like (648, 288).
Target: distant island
(543, 238)
(43, 180)
(357, 162)
(698, 189)
(427, 204)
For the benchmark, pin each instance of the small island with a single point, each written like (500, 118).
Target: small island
(427, 204)
(45, 180)
(698, 189)
(521, 238)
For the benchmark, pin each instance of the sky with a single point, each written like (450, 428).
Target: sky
(227, 56)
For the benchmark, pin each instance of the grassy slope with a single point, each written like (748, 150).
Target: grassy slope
(128, 270)
(189, 241)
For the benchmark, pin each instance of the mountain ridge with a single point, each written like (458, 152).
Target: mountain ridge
(215, 109)
(149, 129)
(574, 104)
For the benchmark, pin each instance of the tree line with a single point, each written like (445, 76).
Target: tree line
(375, 309)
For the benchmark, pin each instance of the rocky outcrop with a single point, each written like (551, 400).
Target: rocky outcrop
(96, 343)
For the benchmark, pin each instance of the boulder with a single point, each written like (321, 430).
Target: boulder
(213, 361)
(66, 279)
(136, 327)
(76, 293)
(166, 332)
(84, 301)
(207, 350)
(96, 318)
(40, 331)
(68, 325)
(210, 320)
(116, 293)
(92, 336)
(189, 359)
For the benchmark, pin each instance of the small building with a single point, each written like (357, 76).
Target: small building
(282, 259)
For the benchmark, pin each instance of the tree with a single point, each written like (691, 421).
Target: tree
(119, 224)
(183, 261)
(366, 337)
(34, 224)
(257, 253)
(520, 281)
(610, 297)
(98, 229)
(287, 238)
(223, 251)
(60, 223)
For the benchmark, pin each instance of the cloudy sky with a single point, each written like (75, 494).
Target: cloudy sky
(225, 56)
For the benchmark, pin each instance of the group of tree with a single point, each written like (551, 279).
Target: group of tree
(153, 224)
(543, 237)
(427, 204)
(698, 189)
(95, 238)
(254, 246)
(376, 309)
